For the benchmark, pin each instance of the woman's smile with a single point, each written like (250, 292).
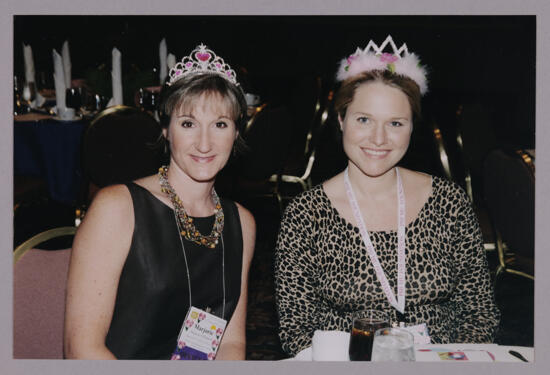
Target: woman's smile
(378, 154)
(203, 159)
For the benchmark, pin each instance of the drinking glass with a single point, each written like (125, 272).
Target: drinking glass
(73, 98)
(393, 345)
(98, 103)
(365, 323)
(148, 98)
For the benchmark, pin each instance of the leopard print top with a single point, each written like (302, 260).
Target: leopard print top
(323, 272)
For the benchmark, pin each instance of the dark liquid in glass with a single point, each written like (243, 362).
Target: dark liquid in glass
(360, 344)
(150, 101)
(73, 98)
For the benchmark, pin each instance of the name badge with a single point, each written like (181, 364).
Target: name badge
(419, 332)
(200, 336)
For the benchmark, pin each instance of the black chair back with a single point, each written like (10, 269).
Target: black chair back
(509, 183)
(268, 139)
(120, 145)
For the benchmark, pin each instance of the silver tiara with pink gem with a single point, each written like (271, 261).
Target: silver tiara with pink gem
(202, 60)
(373, 57)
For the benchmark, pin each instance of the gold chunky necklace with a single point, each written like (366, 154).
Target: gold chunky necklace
(186, 226)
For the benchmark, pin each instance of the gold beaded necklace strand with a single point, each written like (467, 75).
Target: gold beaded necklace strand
(186, 226)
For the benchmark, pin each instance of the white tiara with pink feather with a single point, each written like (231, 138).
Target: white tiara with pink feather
(373, 57)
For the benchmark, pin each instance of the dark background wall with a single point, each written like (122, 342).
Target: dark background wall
(473, 59)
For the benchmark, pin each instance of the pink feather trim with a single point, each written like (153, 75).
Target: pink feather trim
(407, 66)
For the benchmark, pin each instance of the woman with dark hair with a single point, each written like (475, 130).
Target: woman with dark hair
(148, 250)
(378, 236)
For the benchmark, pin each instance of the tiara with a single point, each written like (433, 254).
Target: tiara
(373, 57)
(200, 61)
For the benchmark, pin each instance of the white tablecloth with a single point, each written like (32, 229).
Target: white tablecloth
(472, 353)
(447, 352)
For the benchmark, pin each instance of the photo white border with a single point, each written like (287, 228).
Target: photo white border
(540, 8)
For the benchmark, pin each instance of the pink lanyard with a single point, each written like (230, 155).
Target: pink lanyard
(399, 304)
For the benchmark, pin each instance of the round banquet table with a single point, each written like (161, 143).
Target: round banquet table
(50, 148)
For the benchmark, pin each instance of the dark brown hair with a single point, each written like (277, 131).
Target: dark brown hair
(345, 94)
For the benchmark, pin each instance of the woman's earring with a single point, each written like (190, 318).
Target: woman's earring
(166, 147)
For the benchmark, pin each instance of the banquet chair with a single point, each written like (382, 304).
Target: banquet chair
(301, 174)
(39, 287)
(440, 124)
(431, 147)
(509, 180)
(121, 144)
(305, 103)
(268, 142)
(442, 151)
(475, 140)
(462, 136)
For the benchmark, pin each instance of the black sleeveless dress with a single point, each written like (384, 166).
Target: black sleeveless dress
(153, 293)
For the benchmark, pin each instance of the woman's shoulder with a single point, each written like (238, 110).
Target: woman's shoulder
(111, 206)
(236, 210)
(150, 183)
(310, 199)
(248, 228)
(448, 199)
(110, 216)
(246, 216)
(416, 177)
(447, 189)
(441, 186)
(114, 196)
(120, 195)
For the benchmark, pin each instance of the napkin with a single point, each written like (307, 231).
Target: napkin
(162, 55)
(304, 355)
(330, 346)
(59, 81)
(66, 64)
(170, 61)
(29, 63)
(116, 77)
(39, 100)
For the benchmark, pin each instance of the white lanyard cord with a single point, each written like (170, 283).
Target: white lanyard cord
(187, 267)
(399, 304)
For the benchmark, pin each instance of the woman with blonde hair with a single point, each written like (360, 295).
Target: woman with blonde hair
(378, 236)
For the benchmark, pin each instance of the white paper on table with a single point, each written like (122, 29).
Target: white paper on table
(170, 61)
(330, 346)
(457, 353)
(59, 81)
(29, 63)
(116, 77)
(162, 56)
(66, 64)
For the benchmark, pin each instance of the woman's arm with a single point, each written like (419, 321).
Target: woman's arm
(295, 281)
(477, 313)
(233, 344)
(99, 251)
